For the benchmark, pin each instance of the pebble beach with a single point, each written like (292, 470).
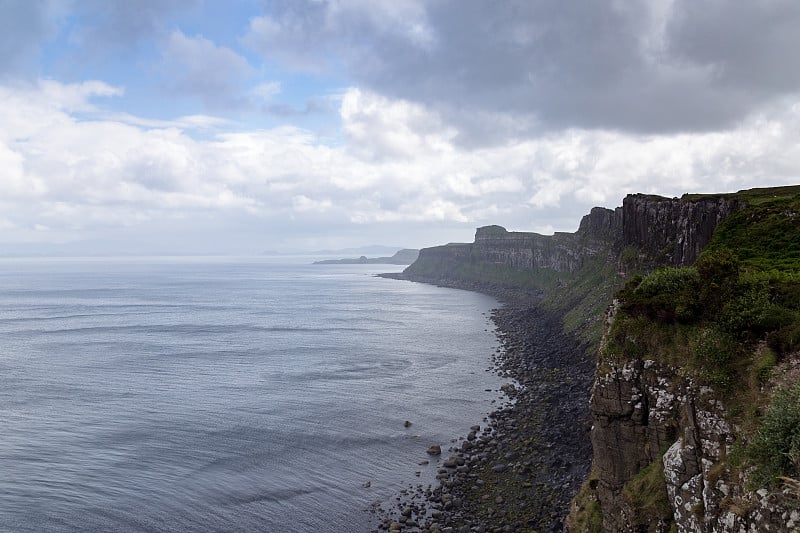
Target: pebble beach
(517, 469)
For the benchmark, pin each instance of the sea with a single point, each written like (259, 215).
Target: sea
(228, 394)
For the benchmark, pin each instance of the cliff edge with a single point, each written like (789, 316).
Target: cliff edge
(695, 402)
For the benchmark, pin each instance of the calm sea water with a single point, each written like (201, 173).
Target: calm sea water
(235, 395)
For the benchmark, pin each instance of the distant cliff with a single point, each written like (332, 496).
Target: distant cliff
(401, 257)
(494, 246)
(664, 231)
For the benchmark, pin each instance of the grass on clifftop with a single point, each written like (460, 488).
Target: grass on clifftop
(750, 196)
(764, 235)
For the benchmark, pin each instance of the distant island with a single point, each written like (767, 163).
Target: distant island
(372, 249)
(401, 257)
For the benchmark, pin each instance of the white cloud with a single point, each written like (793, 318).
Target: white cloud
(265, 91)
(303, 204)
(379, 128)
(78, 176)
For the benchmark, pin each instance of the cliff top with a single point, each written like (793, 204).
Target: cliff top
(750, 196)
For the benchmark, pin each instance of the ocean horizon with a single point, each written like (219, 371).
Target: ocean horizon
(219, 393)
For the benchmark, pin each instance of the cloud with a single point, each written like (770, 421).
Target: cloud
(303, 204)
(267, 90)
(309, 36)
(24, 26)
(82, 173)
(104, 27)
(747, 47)
(377, 127)
(215, 74)
(518, 68)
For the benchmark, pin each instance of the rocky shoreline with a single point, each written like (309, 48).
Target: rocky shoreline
(518, 470)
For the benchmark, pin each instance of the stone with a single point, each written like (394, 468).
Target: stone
(435, 450)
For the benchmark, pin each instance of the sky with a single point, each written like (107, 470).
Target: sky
(237, 127)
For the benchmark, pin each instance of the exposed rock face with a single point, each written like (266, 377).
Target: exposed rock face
(649, 414)
(673, 231)
(667, 231)
(561, 252)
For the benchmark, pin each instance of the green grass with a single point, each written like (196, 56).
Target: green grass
(774, 450)
(750, 196)
(583, 300)
(764, 235)
(585, 514)
(647, 495)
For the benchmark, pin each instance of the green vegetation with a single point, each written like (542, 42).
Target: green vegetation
(775, 448)
(586, 514)
(494, 230)
(501, 275)
(765, 235)
(647, 495)
(584, 299)
(752, 197)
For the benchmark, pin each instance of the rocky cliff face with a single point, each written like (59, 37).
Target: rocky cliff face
(672, 231)
(494, 246)
(562, 252)
(669, 231)
(659, 443)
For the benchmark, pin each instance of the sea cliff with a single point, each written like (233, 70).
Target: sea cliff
(689, 361)
(496, 248)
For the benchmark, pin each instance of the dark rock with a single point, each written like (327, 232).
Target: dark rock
(435, 450)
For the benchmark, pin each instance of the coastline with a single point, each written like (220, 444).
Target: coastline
(520, 468)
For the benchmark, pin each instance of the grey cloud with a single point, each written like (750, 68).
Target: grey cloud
(312, 106)
(524, 66)
(105, 26)
(297, 36)
(751, 46)
(24, 26)
(196, 66)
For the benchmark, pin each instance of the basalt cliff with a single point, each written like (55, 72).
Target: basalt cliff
(666, 231)
(690, 308)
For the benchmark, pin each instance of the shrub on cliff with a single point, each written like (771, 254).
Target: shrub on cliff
(719, 273)
(786, 339)
(749, 310)
(714, 354)
(666, 294)
(774, 450)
